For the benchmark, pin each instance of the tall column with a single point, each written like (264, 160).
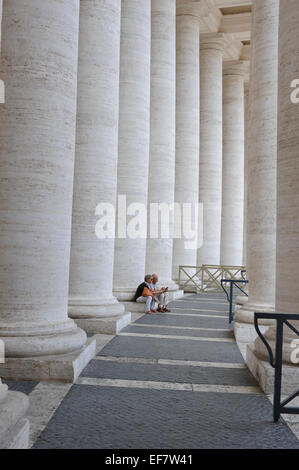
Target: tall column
(37, 133)
(91, 302)
(261, 178)
(187, 122)
(14, 428)
(246, 152)
(133, 148)
(242, 299)
(1, 9)
(287, 261)
(210, 166)
(162, 137)
(233, 165)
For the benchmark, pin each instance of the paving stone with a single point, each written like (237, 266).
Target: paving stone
(93, 417)
(169, 373)
(181, 320)
(227, 334)
(215, 296)
(200, 306)
(200, 313)
(178, 349)
(97, 416)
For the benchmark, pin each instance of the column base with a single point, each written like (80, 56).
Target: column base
(244, 329)
(64, 367)
(246, 334)
(178, 294)
(14, 428)
(264, 373)
(240, 301)
(171, 284)
(106, 316)
(94, 308)
(106, 325)
(125, 294)
(41, 339)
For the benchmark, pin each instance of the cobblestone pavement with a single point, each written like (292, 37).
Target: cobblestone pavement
(166, 381)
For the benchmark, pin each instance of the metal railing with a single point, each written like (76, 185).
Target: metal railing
(207, 277)
(282, 319)
(230, 294)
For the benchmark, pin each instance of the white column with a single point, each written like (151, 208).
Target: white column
(246, 152)
(37, 133)
(162, 139)
(287, 261)
(261, 179)
(210, 166)
(187, 122)
(134, 126)
(91, 301)
(1, 9)
(14, 428)
(233, 165)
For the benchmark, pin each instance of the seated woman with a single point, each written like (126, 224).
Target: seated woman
(144, 294)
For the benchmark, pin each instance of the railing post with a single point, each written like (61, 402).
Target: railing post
(231, 302)
(278, 370)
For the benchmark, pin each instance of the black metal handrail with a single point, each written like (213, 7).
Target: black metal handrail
(233, 283)
(281, 319)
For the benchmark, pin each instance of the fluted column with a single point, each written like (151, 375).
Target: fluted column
(37, 133)
(210, 166)
(287, 261)
(162, 136)
(233, 165)
(187, 122)
(261, 178)
(133, 156)
(91, 302)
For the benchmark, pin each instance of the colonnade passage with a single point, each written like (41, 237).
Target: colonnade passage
(140, 137)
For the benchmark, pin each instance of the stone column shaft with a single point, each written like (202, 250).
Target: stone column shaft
(287, 259)
(261, 180)
(133, 148)
(12, 407)
(210, 166)
(162, 136)
(187, 124)
(37, 129)
(233, 165)
(246, 151)
(91, 301)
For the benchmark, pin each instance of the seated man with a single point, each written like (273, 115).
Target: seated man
(162, 295)
(144, 294)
